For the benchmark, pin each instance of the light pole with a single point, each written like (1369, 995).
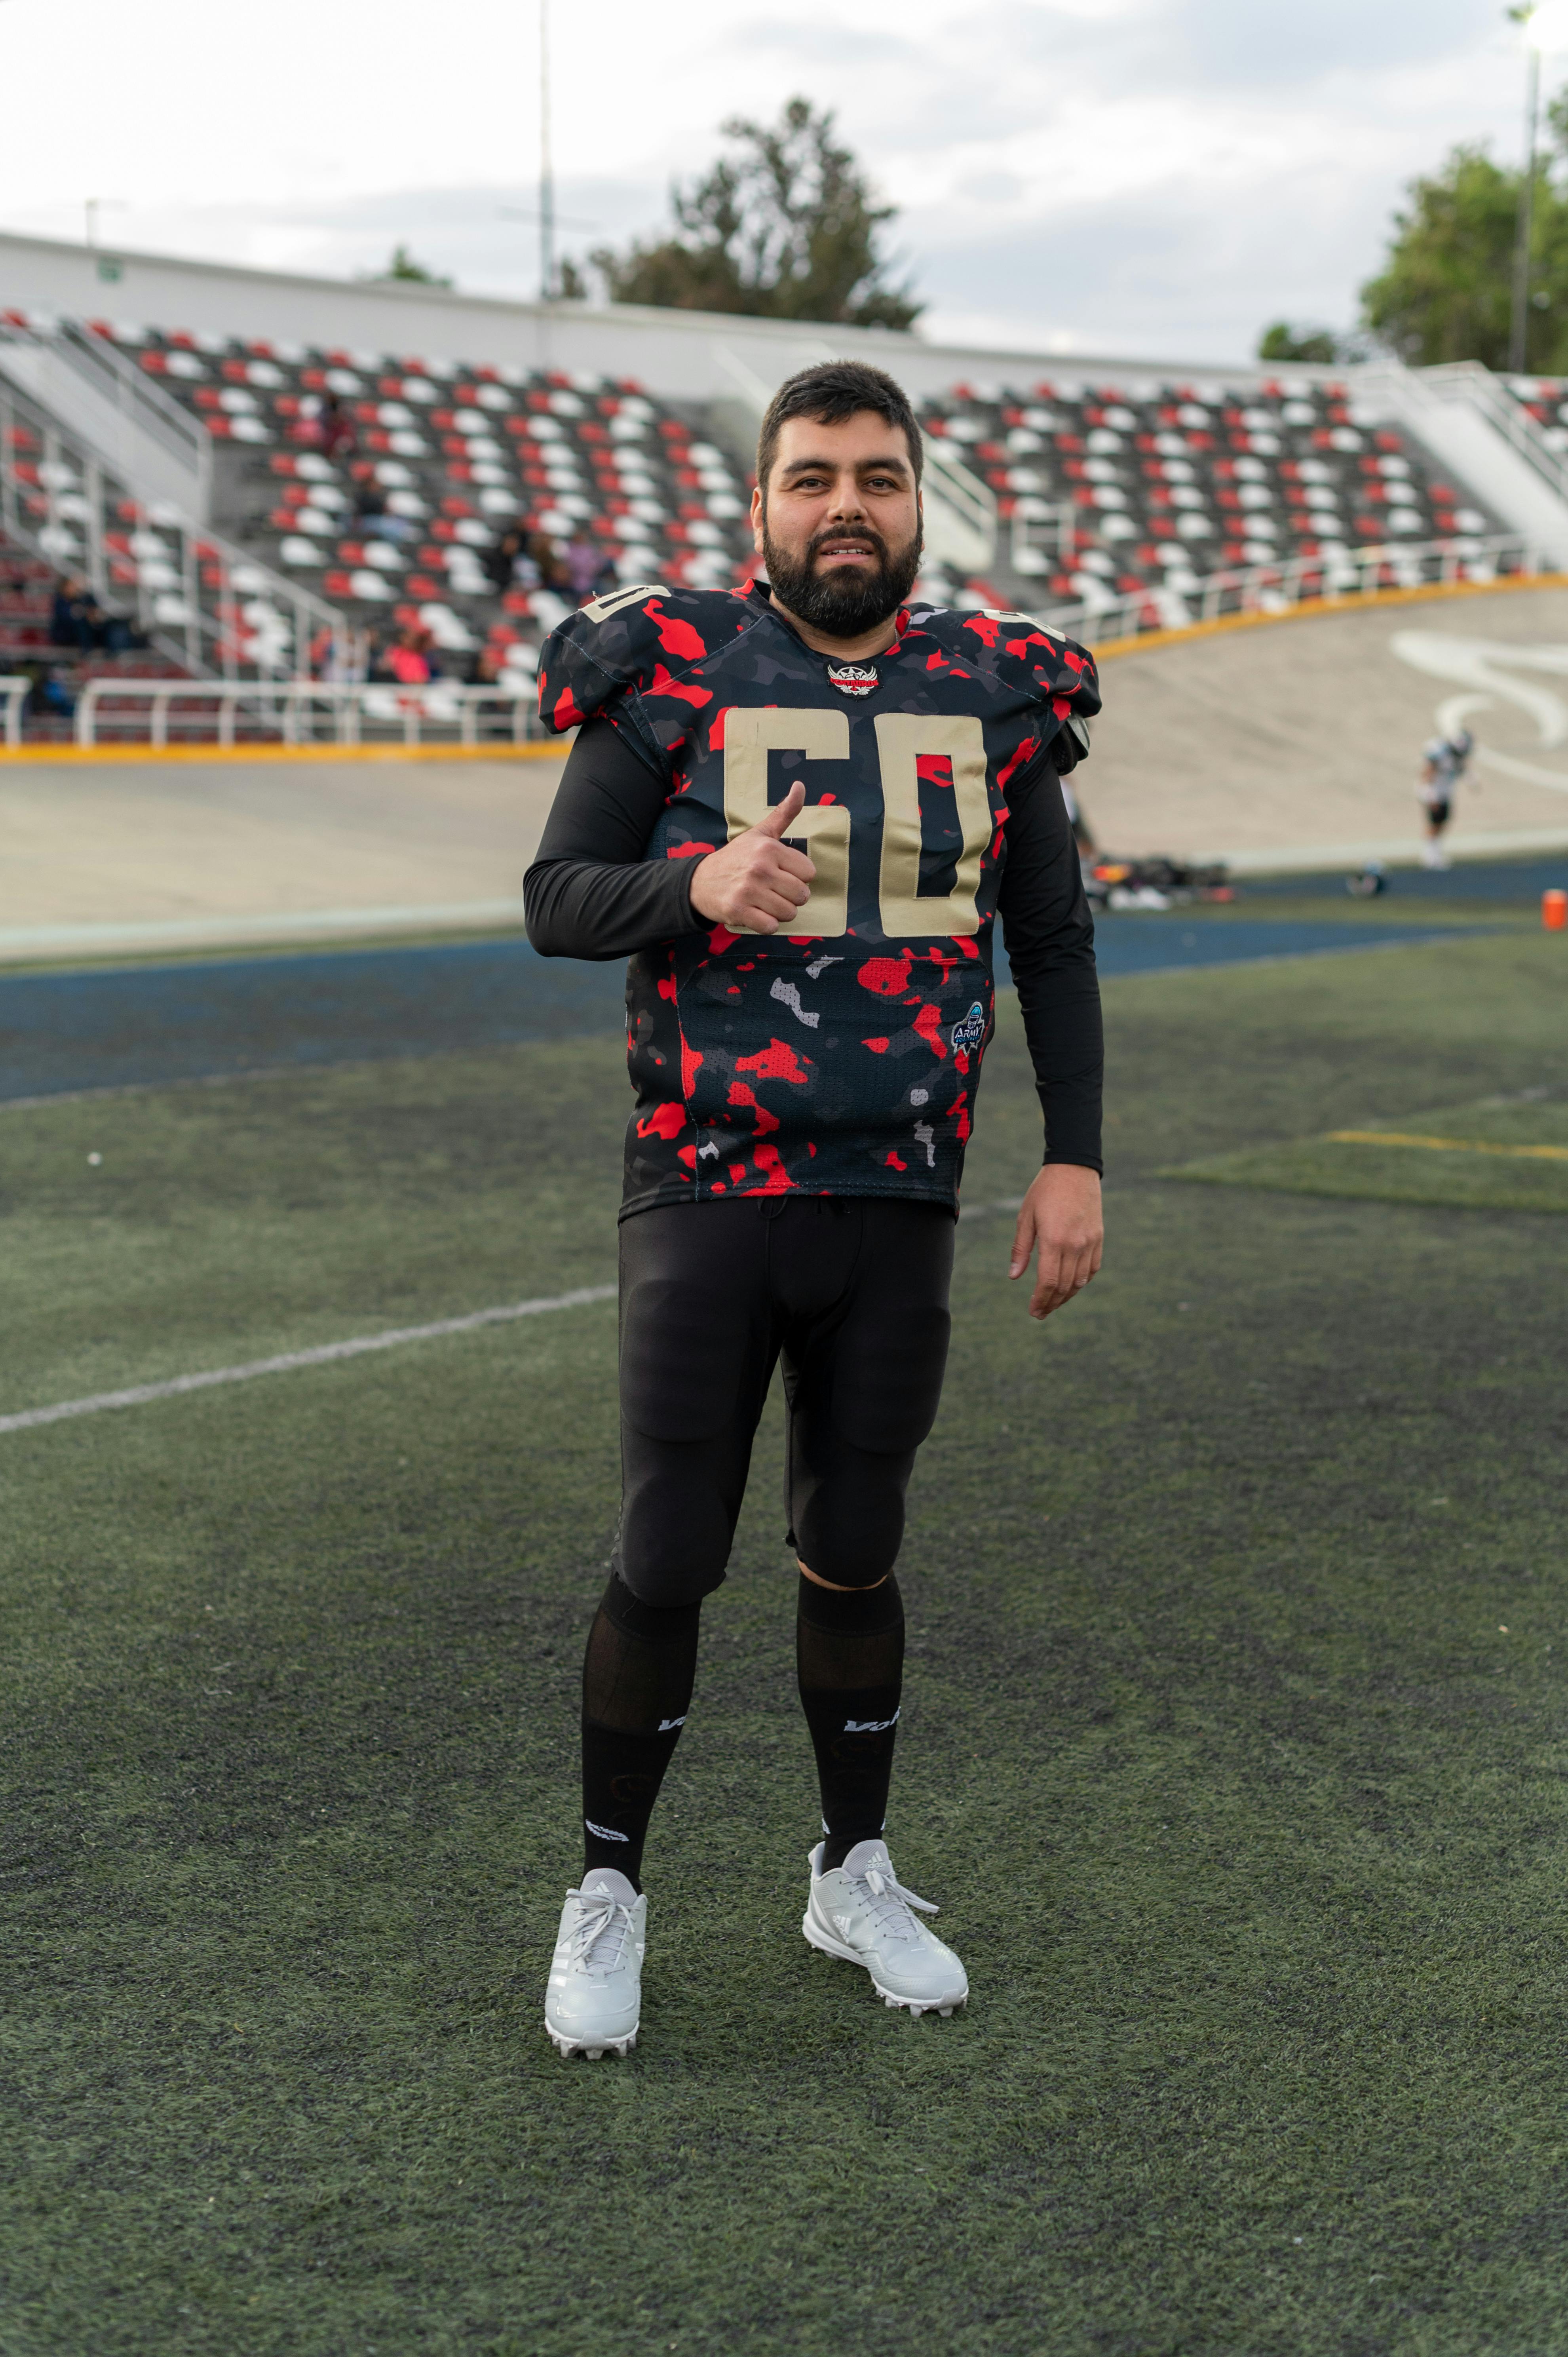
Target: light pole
(1544, 25)
(546, 167)
(1519, 322)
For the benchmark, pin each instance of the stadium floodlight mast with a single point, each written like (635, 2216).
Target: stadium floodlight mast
(546, 167)
(548, 219)
(1544, 25)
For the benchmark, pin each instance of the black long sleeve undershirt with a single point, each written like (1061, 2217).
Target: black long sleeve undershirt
(591, 894)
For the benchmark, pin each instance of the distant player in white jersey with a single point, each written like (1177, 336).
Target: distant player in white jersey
(1443, 763)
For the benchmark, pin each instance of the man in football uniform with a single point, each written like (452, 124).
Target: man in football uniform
(798, 808)
(1443, 763)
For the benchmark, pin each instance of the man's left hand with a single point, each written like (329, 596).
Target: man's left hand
(1060, 1221)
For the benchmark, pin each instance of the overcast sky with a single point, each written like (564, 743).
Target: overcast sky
(1155, 176)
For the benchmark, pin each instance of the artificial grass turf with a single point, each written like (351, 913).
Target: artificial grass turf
(1501, 1154)
(1245, 1811)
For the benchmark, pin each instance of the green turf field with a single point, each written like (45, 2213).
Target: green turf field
(1234, 1743)
(1504, 1154)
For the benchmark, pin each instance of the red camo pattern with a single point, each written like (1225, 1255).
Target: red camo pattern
(843, 1065)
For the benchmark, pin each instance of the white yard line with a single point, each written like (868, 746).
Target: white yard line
(357, 1347)
(287, 1360)
(326, 1353)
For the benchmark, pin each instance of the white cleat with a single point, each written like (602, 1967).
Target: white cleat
(594, 2001)
(861, 1912)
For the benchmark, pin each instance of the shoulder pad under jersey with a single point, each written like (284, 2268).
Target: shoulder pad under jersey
(1055, 670)
(632, 640)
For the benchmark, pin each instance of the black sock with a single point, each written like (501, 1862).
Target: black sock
(849, 1647)
(637, 1689)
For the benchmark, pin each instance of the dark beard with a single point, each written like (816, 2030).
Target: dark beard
(842, 606)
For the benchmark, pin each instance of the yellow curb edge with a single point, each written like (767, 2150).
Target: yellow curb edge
(1313, 608)
(69, 754)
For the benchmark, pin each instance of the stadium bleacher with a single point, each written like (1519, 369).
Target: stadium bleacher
(382, 485)
(57, 670)
(26, 592)
(454, 454)
(1102, 492)
(1545, 399)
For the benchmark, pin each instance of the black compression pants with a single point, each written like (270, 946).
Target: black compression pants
(851, 1293)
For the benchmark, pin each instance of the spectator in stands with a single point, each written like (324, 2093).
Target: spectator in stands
(584, 563)
(485, 668)
(410, 658)
(75, 618)
(553, 574)
(503, 558)
(49, 697)
(375, 520)
(116, 633)
(335, 428)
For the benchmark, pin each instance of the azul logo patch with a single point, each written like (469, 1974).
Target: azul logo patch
(853, 679)
(971, 1030)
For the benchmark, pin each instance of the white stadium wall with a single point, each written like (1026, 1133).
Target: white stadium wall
(678, 355)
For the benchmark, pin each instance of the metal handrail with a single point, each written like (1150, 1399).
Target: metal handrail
(975, 500)
(137, 395)
(133, 415)
(1061, 515)
(1303, 580)
(14, 690)
(215, 632)
(1476, 384)
(286, 705)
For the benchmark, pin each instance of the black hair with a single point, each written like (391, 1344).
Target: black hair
(830, 392)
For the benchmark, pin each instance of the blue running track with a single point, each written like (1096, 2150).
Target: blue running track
(123, 1025)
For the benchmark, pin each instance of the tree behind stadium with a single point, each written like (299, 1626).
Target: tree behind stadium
(786, 228)
(1445, 291)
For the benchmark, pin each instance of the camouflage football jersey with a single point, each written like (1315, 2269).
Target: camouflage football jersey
(843, 1057)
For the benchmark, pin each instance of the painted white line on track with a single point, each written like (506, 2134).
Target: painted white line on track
(283, 926)
(287, 1360)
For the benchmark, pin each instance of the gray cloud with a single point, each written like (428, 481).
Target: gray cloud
(1163, 177)
(1253, 44)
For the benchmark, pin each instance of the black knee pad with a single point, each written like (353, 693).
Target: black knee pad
(653, 1624)
(675, 1537)
(848, 1528)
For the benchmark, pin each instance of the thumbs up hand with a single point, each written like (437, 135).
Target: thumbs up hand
(757, 883)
